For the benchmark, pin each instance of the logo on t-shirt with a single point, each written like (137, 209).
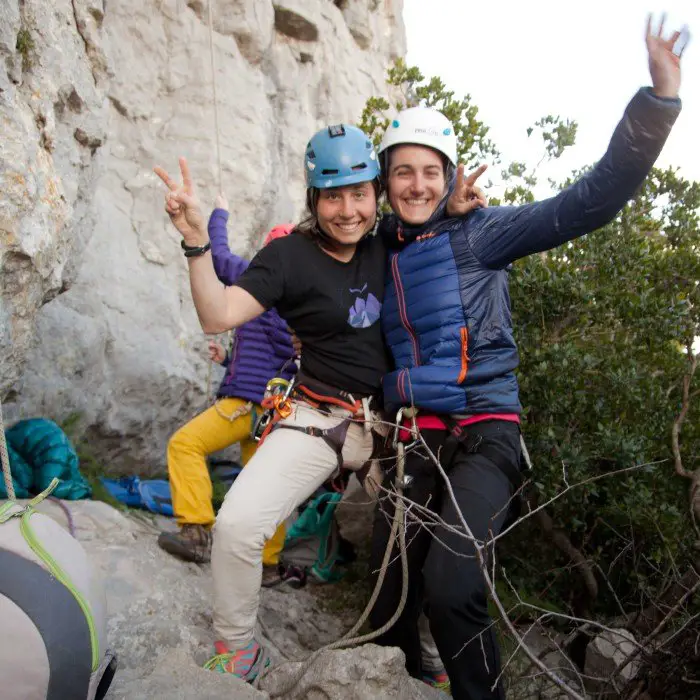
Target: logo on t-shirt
(365, 311)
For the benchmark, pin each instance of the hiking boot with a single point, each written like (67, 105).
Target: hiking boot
(439, 681)
(191, 543)
(245, 663)
(271, 576)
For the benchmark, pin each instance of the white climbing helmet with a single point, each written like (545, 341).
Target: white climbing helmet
(423, 126)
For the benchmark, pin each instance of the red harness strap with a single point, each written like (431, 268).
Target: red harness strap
(317, 400)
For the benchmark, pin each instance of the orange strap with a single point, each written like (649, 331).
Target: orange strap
(354, 408)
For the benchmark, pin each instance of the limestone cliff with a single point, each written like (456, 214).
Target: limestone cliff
(95, 310)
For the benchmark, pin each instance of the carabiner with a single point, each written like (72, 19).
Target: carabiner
(284, 407)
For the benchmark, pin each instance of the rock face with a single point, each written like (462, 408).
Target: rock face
(159, 623)
(365, 673)
(606, 652)
(95, 311)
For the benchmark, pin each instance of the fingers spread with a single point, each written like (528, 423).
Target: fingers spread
(460, 175)
(171, 184)
(475, 175)
(186, 176)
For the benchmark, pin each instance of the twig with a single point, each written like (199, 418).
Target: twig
(483, 565)
(563, 616)
(564, 544)
(556, 497)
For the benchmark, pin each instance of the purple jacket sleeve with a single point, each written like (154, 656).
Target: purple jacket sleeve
(228, 266)
(501, 235)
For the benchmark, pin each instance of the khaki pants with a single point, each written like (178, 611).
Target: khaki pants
(286, 469)
(190, 483)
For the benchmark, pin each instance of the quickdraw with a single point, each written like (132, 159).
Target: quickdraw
(277, 405)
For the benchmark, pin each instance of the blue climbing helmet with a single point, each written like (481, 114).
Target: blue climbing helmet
(340, 155)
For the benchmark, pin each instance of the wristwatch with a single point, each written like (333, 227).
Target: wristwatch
(193, 251)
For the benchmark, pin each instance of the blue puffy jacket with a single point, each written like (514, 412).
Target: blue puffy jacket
(446, 313)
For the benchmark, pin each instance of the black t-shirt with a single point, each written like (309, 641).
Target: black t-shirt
(332, 306)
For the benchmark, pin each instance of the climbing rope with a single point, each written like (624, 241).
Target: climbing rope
(67, 513)
(7, 474)
(217, 142)
(398, 530)
(216, 102)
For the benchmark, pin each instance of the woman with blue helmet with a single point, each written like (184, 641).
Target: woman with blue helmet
(326, 279)
(447, 320)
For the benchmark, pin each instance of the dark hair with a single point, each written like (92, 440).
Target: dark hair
(309, 225)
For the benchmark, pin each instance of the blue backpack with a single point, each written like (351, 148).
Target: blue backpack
(153, 494)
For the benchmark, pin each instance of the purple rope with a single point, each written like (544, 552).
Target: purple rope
(64, 508)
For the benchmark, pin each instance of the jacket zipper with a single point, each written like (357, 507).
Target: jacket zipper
(464, 354)
(402, 308)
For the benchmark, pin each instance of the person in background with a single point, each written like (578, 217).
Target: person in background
(261, 349)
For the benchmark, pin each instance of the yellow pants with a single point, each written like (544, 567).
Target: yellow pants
(190, 483)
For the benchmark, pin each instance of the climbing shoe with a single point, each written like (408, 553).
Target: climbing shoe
(440, 681)
(289, 575)
(191, 543)
(245, 663)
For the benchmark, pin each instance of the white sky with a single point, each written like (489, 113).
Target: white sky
(582, 61)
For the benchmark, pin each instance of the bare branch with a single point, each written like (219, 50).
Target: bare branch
(685, 405)
(659, 628)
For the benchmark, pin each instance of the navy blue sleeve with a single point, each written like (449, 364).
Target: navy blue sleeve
(500, 235)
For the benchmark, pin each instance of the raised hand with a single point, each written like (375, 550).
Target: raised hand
(665, 58)
(221, 202)
(182, 206)
(466, 196)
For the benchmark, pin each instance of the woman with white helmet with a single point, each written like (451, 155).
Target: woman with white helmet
(447, 320)
(326, 279)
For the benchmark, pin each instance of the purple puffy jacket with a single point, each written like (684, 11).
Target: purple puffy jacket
(262, 346)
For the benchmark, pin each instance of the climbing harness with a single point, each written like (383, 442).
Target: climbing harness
(473, 442)
(278, 398)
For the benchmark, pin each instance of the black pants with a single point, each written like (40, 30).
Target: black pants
(453, 587)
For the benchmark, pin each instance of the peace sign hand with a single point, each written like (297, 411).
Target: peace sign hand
(665, 58)
(182, 206)
(466, 196)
